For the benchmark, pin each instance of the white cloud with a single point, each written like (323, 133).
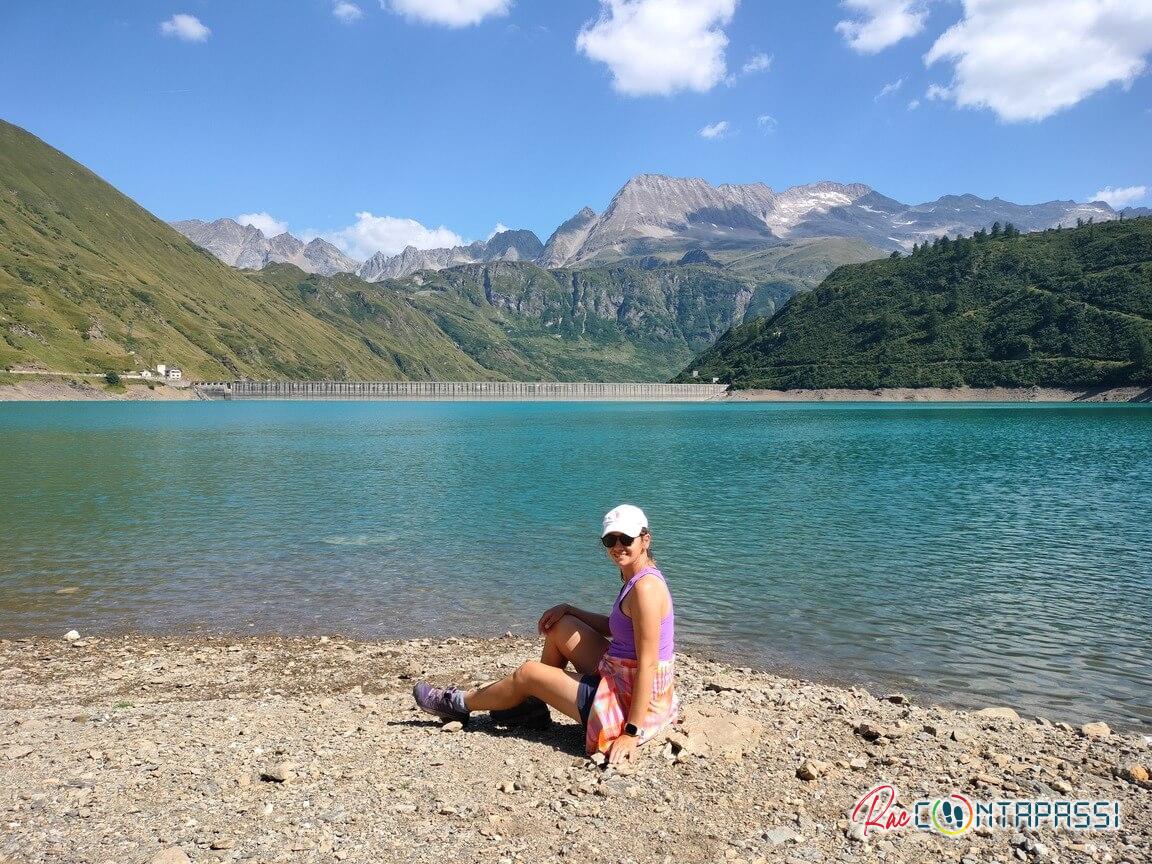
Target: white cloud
(1028, 59)
(264, 221)
(757, 63)
(889, 89)
(881, 23)
(767, 123)
(715, 130)
(913, 105)
(499, 229)
(185, 27)
(935, 92)
(1122, 197)
(388, 234)
(450, 13)
(659, 47)
(347, 12)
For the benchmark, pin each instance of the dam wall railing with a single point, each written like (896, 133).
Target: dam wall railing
(463, 391)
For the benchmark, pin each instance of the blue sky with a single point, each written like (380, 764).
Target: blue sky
(380, 122)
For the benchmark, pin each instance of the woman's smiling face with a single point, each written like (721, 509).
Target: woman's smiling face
(622, 555)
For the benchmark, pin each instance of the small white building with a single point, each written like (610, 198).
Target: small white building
(147, 373)
(161, 370)
(174, 374)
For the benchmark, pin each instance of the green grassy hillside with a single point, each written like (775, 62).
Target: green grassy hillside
(90, 281)
(1068, 308)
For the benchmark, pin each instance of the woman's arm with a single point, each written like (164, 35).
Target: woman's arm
(647, 597)
(646, 600)
(599, 623)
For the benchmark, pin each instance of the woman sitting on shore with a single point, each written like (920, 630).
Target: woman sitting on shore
(622, 690)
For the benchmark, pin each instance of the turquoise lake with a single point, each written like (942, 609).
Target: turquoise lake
(966, 554)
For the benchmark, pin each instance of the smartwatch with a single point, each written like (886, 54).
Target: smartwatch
(630, 729)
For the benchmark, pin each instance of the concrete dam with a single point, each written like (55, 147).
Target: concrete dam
(502, 391)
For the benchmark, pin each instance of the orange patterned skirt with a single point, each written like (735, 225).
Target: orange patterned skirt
(613, 701)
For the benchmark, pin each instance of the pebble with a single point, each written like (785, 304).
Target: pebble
(810, 769)
(867, 731)
(1135, 773)
(780, 835)
(67, 591)
(71, 636)
(452, 726)
(999, 712)
(1095, 730)
(172, 855)
(721, 685)
(284, 772)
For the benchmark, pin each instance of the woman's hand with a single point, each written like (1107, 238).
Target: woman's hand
(623, 749)
(551, 617)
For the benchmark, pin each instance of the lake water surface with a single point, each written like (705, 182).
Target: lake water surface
(970, 554)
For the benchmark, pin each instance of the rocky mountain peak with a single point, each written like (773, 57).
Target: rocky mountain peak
(517, 245)
(566, 240)
(245, 246)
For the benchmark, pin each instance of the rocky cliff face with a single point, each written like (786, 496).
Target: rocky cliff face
(566, 240)
(235, 244)
(246, 247)
(653, 213)
(516, 245)
(689, 307)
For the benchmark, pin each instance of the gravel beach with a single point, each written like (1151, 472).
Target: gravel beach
(211, 749)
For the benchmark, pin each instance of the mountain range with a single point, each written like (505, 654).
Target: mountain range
(654, 215)
(92, 282)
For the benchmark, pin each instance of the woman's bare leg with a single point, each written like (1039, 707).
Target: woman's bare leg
(568, 640)
(571, 639)
(555, 686)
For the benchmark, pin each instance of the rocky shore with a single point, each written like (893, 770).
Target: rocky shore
(209, 749)
(89, 390)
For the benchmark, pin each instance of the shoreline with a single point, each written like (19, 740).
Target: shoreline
(75, 390)
(79, 390)
(266, 748)
(939, 394)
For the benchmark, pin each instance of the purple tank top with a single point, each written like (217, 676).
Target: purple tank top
(624, 638)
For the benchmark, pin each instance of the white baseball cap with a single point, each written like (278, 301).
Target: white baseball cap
(625, 519)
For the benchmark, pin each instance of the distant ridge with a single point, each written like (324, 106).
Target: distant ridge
(655, 215)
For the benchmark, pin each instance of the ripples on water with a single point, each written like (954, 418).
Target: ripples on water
(979, 554)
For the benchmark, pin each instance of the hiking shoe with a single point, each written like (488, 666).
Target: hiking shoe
(532, 712)
(441, 702)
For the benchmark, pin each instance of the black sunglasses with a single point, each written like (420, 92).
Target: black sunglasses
(609, 540)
